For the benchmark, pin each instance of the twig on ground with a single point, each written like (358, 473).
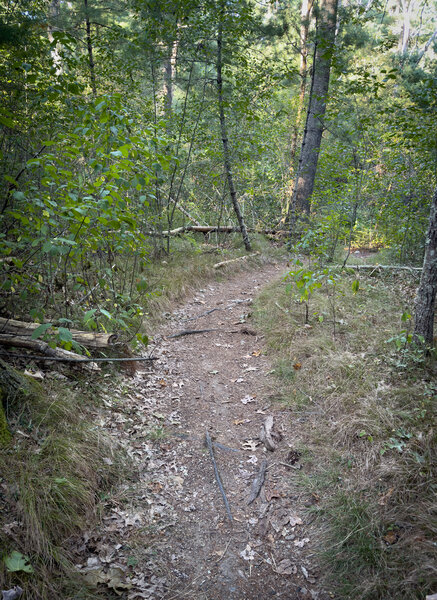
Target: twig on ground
(224, 552)
(76, 360)
(190, 332)
(217, 476)
(244, 330)
(258, 482)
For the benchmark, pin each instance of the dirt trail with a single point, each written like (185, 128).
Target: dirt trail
(168, 535)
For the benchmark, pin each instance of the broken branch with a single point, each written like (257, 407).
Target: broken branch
(217, 476)
(258, 482)
(233, 260)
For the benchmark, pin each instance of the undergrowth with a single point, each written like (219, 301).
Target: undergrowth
(365, 414)
(52, 472)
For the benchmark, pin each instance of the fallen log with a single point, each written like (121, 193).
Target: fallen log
(205, 229)
(88, 339)
(233, 260)
(13, 341)
(384, 268)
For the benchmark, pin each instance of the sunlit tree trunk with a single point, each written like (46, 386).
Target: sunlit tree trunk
(54, 10)
(306, 172)
(404, 38)
(169, 76)
(426, 294)
(226, 152)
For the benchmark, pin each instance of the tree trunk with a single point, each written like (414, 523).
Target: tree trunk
(90, 49)
(169, 75)
(306, 173)
(305, 14)
(226, 152)
(425, 300)
(54, 10)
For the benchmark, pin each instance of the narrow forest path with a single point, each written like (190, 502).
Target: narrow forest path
(167, 535)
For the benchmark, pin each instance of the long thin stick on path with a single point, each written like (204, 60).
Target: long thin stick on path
(217, 476)
(77, 360)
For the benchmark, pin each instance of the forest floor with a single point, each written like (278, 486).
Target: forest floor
(166, 534)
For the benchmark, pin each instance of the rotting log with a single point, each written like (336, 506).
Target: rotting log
(233, 260)
(206, 229)
(86, 338)
(13, 341)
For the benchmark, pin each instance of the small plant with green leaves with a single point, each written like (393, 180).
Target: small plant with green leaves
(409, 353)
(306, 281)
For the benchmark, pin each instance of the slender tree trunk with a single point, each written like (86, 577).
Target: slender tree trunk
(305, 15)
(226, 152)
(306, 173)
(426, 294)
(404, 38)
(169, 75)
(54, 10)
(90, 49)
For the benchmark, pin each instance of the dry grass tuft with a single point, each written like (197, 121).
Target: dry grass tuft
(52, 474)
(366, 423)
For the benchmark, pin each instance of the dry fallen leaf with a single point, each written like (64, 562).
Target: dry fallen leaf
(250, 445)
(240, 421)
(391, 537)
(301, 543)
(247, 399)
(272, 493)
(297, 366)
(247, 553)
(286, 567)
(383, 499)
(256, 353)
(162, 383)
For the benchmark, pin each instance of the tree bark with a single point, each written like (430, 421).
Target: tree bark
(169, 75)
(226, 152)
(426, 294)
(324, 48)
(90, 49)
(305, 15)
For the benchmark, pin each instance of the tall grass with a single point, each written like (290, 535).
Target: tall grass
(366, 431)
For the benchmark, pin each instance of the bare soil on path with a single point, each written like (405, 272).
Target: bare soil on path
(167, 534)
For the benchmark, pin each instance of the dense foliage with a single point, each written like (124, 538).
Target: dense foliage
(111, 136)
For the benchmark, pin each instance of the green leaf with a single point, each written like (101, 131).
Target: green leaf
(41, 330)
(89, 314)
(106, 313)
(65, 334)
(355, 286)
(18, 562)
